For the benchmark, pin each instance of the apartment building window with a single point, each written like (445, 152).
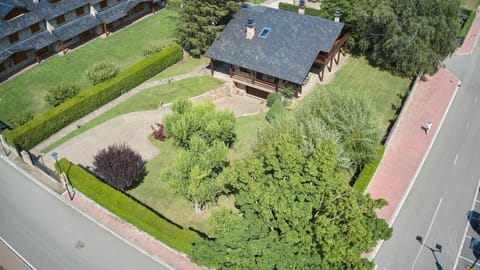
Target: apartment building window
(2, 67)
(79, 11)
(13, 37)
(35, 27)
(104, 4)
(19, 57)
(60, 19)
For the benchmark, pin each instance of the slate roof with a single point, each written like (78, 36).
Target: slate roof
(35, 42)
(19, 23)
(288, 51)
(53, 10)
(113, 13)
(76, 27)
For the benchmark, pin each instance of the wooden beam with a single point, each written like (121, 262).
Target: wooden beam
(105, 29)
(230, 71)
(322, 72)
(337, 61)
(38, 58)
(152, 6)
(61, 45)
(254, 74)
(330, 64)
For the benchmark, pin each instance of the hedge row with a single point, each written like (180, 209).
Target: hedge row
(468, 23)
(128, 209)
(44, 125)
(294, 8)
(368, 171)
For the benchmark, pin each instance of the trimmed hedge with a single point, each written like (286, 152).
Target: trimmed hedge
(128, 209)
(272, 97)
(468, 23)
(44, 125)
(294, 8)
(368, 171)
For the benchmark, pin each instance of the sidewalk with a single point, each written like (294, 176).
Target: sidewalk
(408, 144)
(471, 38)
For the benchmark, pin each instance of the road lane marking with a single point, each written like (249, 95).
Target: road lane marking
(455, 161)
(20, 257)
(466, 226)
(468, 260)
(467, 126)
(428, 232)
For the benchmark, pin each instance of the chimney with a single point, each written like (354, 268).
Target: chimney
(250, 29)
(301, 7)
(337, 14)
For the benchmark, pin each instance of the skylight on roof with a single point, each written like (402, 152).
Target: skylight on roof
(264, 33)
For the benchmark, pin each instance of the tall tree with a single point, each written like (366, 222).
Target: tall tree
(298, 212)
(197, 168)
(201, 22)
(406, 36)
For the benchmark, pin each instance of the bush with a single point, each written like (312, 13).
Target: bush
(20, 118)
(60, 93)
(101, 72)
(152, 49)
(368, 171)
(119, 166)
(467, 23)
(203, 120)
(276, 111)
(72, 109)
(128, 209)
(159, 133)
(272, 97)
(288, 92)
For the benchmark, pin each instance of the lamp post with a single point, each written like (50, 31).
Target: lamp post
(63, 176)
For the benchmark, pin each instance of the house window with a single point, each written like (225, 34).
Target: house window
(79, 11)
(35, 27)
(138, 8)
(244, 70)
(19, 57)
(2, 67)
(60, 19)
(104, 4)
(13, 37)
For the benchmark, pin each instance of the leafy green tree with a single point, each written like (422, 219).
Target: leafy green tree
(60, 93)
(276, 111)
(351, 116)
(406, 37)
(201, 22)
(297, 211)
(197, 168)
(203, 120)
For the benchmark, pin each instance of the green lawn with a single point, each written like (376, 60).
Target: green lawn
(149, 99)
(156, 192)
(187, 65)
(123, 48)
(384, 89)
(471, 4)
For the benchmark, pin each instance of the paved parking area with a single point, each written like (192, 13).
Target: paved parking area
(470, 253)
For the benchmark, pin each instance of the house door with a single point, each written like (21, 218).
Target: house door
(258, 93)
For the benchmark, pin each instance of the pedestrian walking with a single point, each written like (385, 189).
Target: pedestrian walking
(427, 127)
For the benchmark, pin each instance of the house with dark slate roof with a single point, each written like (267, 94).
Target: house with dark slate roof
(267, 50)
(31, 30)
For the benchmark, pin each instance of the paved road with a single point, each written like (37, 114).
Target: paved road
(446, 187)
(49, 234)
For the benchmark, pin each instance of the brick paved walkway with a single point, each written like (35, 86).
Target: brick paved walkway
(471, 38)
(408, 144)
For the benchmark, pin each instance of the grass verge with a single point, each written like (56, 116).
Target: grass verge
(468, 23)
(368, 171)
(128, 209)
(148, 99)
(187, 65)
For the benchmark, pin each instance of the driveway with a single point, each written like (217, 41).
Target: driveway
(134, 129)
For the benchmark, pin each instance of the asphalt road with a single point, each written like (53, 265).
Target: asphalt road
(50, 234)
(429, 230)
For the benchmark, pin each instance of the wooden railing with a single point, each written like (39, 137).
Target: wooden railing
(250, 78)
